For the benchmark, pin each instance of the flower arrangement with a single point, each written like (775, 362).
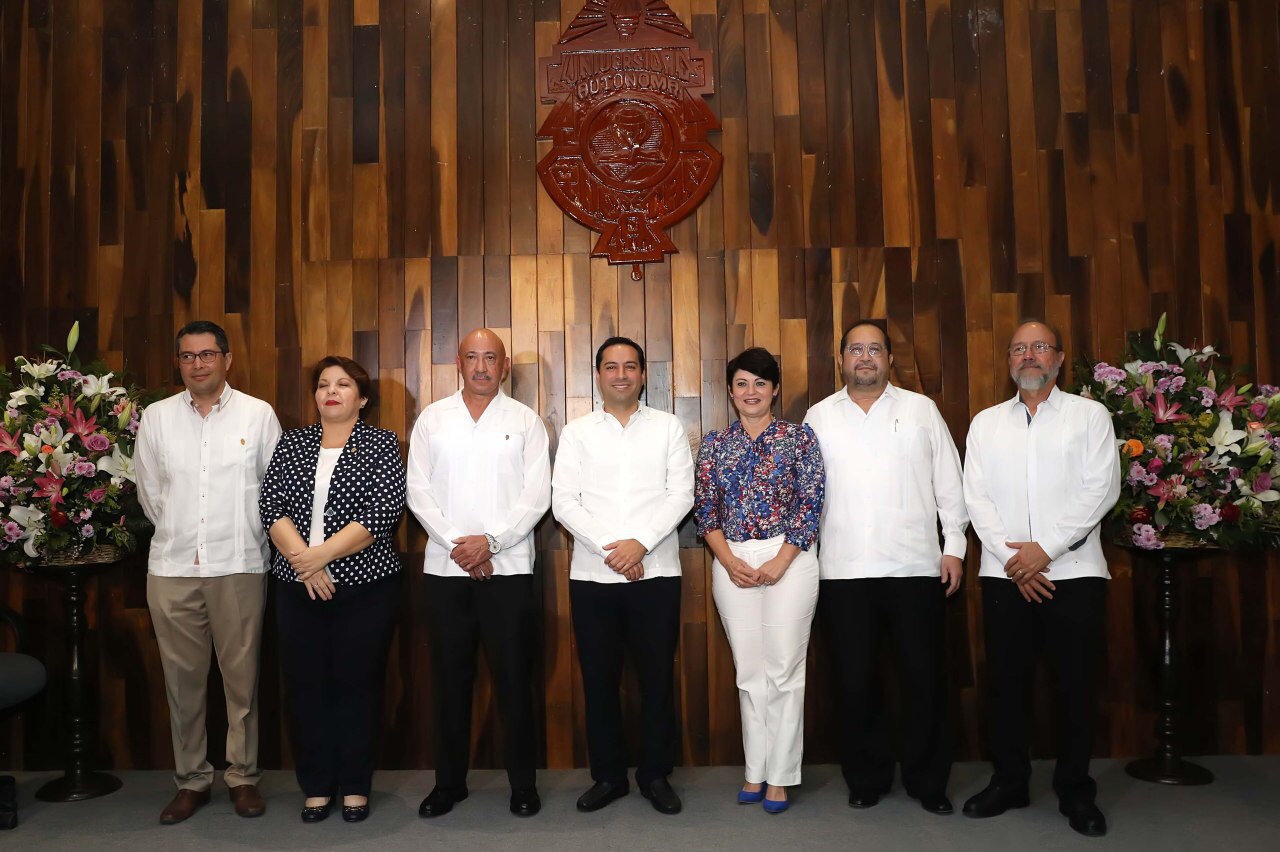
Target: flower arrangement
(67, 481)
(1198, 450)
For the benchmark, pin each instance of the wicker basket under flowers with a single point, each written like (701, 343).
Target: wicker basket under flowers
(67, 487)
(1198, 447)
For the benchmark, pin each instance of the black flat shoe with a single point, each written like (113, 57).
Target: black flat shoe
(862, 800)
(940, 805)
(320, 813)
(1084, 818)
(601, 794)
(525, 803)
(355, 813)
(994, 801)
(662, 797)
(440, 801)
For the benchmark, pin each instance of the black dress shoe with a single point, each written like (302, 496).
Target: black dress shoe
(862, 800)
(319, 813)
(662, 797)
(1084, 817)
(994, 801)
(525, 803)
(355, 813)
(601, 794)
(940, 805)
(440, 801)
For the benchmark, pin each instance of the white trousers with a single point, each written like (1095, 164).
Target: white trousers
(768, 628)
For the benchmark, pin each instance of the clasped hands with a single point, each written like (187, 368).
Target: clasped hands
(1026, 569)
(626, 557)
(745, 577)
(471, 554)
(309, 564)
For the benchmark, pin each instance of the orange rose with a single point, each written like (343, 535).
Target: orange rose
(1134, 447)
(46, 449)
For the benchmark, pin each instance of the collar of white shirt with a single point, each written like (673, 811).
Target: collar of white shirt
(1053, 401)
(890, 393)
(223, 398)
(602, 416)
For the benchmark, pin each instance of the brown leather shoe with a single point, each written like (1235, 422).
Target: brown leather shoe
(183, 806)
(248, 801)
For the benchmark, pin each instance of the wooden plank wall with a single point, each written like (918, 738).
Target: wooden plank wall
(358, 177)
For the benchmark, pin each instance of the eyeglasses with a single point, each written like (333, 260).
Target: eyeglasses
(206, 356)
(1039, 347)
(857, 350)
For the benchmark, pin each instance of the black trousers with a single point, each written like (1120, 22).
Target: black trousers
(1069, 631)
(334, 656)
(643, 618)
(499, 613)
(852, 612)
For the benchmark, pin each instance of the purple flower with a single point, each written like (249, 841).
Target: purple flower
(6, 482)
(1258, 410)
(132, 428)
(1138, 475)
(1144, 536)
(69, 374)
(1173, 368)
(12, 532)
(1163, 444)
(1177, 383)
(1104, 372)
(85, 515)
(1155, 465)
(87, 531)
(86, 469)
(1207, 396)
(97, 495)
(97, 443)
(1205, 516)
(1268, 390)
(1261, 482)
(1148, 367)
(1163, 385)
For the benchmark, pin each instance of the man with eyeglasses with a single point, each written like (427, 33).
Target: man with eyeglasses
(1041, 472)
(200, 458)
(892, 474)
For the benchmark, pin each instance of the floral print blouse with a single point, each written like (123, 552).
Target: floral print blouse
(757, 489)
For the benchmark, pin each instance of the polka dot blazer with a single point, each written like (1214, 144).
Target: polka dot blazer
(367, 487)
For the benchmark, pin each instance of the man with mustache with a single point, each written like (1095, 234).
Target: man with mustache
(892, 474)
(623, 482)
(479, 480)
(200, 460)
(1041, 472)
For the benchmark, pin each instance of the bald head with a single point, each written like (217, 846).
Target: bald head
(482, 362)
(1035, 356)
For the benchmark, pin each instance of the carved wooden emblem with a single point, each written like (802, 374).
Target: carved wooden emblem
(629, 155)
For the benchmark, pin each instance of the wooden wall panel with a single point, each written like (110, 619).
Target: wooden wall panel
(359, 176)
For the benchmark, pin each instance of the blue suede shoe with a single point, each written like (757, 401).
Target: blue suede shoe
(772, 807)
(746, 797)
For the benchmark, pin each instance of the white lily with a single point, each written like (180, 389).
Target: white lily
(118, 466)
(42, 370)
(1269, 496)
(100, 386)
(32, 522)
(1225, 438)
(16, 398)
(1184, 353)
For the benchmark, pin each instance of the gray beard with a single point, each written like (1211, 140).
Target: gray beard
(1033, 382)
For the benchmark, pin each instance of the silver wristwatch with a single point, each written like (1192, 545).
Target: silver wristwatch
(494, 547)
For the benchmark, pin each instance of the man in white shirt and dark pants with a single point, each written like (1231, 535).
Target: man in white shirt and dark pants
(623, 481)
(200, 459)
(892, 473)
(479, 481)
(1041, 472)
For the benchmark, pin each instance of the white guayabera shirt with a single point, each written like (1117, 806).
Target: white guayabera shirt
(1050, 479)
(199, 480)
(613, 482)
(471, 477)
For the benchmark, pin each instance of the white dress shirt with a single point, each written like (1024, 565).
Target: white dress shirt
(892, 473)
(614, 482)
(1050, 479)
(470, 477)
(198, 481)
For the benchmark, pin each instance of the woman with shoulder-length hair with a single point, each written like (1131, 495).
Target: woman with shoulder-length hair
(759, 491)
(331, 497)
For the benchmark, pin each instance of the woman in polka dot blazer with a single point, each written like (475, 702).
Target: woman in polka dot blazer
(331, 497)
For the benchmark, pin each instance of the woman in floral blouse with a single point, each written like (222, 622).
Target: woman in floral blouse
(759, 496)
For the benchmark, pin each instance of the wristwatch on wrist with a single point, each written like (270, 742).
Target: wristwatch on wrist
(494, 547)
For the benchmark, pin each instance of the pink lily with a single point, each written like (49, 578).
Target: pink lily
(9, 443)
(1166, 413)
(49, 485)
(1229, 400)
(63, 409)
(77, 425)
(1168, 489)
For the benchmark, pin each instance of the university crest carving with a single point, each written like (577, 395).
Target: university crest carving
(629, 154)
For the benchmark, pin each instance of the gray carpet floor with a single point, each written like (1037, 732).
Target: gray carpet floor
(1239, 811)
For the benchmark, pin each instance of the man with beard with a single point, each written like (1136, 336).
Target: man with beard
(892, 473)
(479, 479)
(623, 482)
(1041, 472)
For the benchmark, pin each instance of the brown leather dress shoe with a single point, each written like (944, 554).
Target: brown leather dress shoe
(183, 806)
(248, 801)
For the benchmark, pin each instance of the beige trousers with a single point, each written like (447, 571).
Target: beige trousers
(192, 617)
